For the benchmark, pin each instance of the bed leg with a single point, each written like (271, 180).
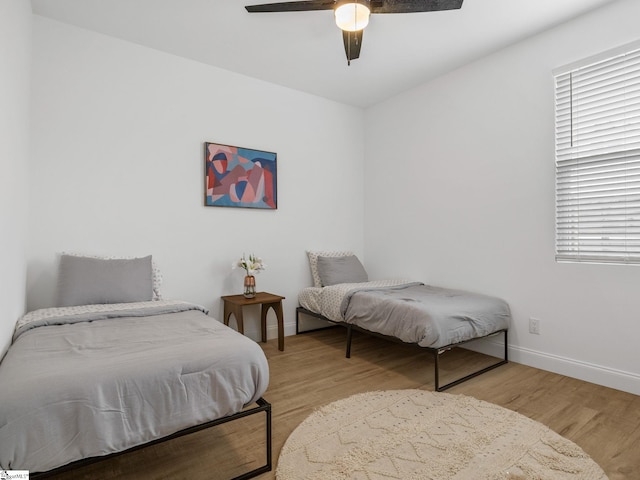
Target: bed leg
(297, 321)
(506, 347)
(349, 334)
(269, 464)
(436, 372)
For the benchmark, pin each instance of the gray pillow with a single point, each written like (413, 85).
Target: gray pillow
(334, 270)
(89, 281)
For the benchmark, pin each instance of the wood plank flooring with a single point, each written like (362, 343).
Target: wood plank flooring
(313, 371)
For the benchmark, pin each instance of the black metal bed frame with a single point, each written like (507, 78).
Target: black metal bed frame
(436, 352)
(263, 406)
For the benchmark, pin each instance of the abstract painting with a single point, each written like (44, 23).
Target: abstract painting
(239, 177)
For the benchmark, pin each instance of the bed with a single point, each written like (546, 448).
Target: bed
(86, 381)
(434, 318)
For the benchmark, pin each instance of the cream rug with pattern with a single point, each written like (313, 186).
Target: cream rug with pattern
(416, 434)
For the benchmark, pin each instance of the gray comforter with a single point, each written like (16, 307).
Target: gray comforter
(83, 386)
(429, 316)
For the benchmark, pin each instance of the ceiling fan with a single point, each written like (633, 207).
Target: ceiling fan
(353, 15)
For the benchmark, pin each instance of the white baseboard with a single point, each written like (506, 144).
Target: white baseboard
(588, 372)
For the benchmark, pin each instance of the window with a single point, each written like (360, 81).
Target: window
(598, 159)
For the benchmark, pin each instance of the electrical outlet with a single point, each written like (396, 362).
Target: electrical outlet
(534, 326)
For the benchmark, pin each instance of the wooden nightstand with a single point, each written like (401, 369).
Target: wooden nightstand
(234, 303)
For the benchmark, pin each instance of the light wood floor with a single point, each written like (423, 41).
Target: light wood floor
(312, 371)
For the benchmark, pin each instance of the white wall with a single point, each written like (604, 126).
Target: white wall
(117, 157)
(15, 60)
(460, 172)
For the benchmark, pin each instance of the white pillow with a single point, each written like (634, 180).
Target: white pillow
(313, 262)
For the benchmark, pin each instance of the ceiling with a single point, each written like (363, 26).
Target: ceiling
(304, 50)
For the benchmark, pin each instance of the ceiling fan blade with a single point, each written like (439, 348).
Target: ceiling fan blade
(413, 6)
(352, 43)
(301, 6)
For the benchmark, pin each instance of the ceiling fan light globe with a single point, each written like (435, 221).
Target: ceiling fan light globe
(352, 16)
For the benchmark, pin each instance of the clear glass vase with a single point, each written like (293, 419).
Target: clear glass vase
(249, 286)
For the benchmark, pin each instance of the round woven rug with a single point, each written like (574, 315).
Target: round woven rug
(416, 434)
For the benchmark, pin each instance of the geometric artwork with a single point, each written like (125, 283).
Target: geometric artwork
(239, 177)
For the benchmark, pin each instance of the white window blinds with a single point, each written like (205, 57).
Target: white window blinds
(598, 161)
